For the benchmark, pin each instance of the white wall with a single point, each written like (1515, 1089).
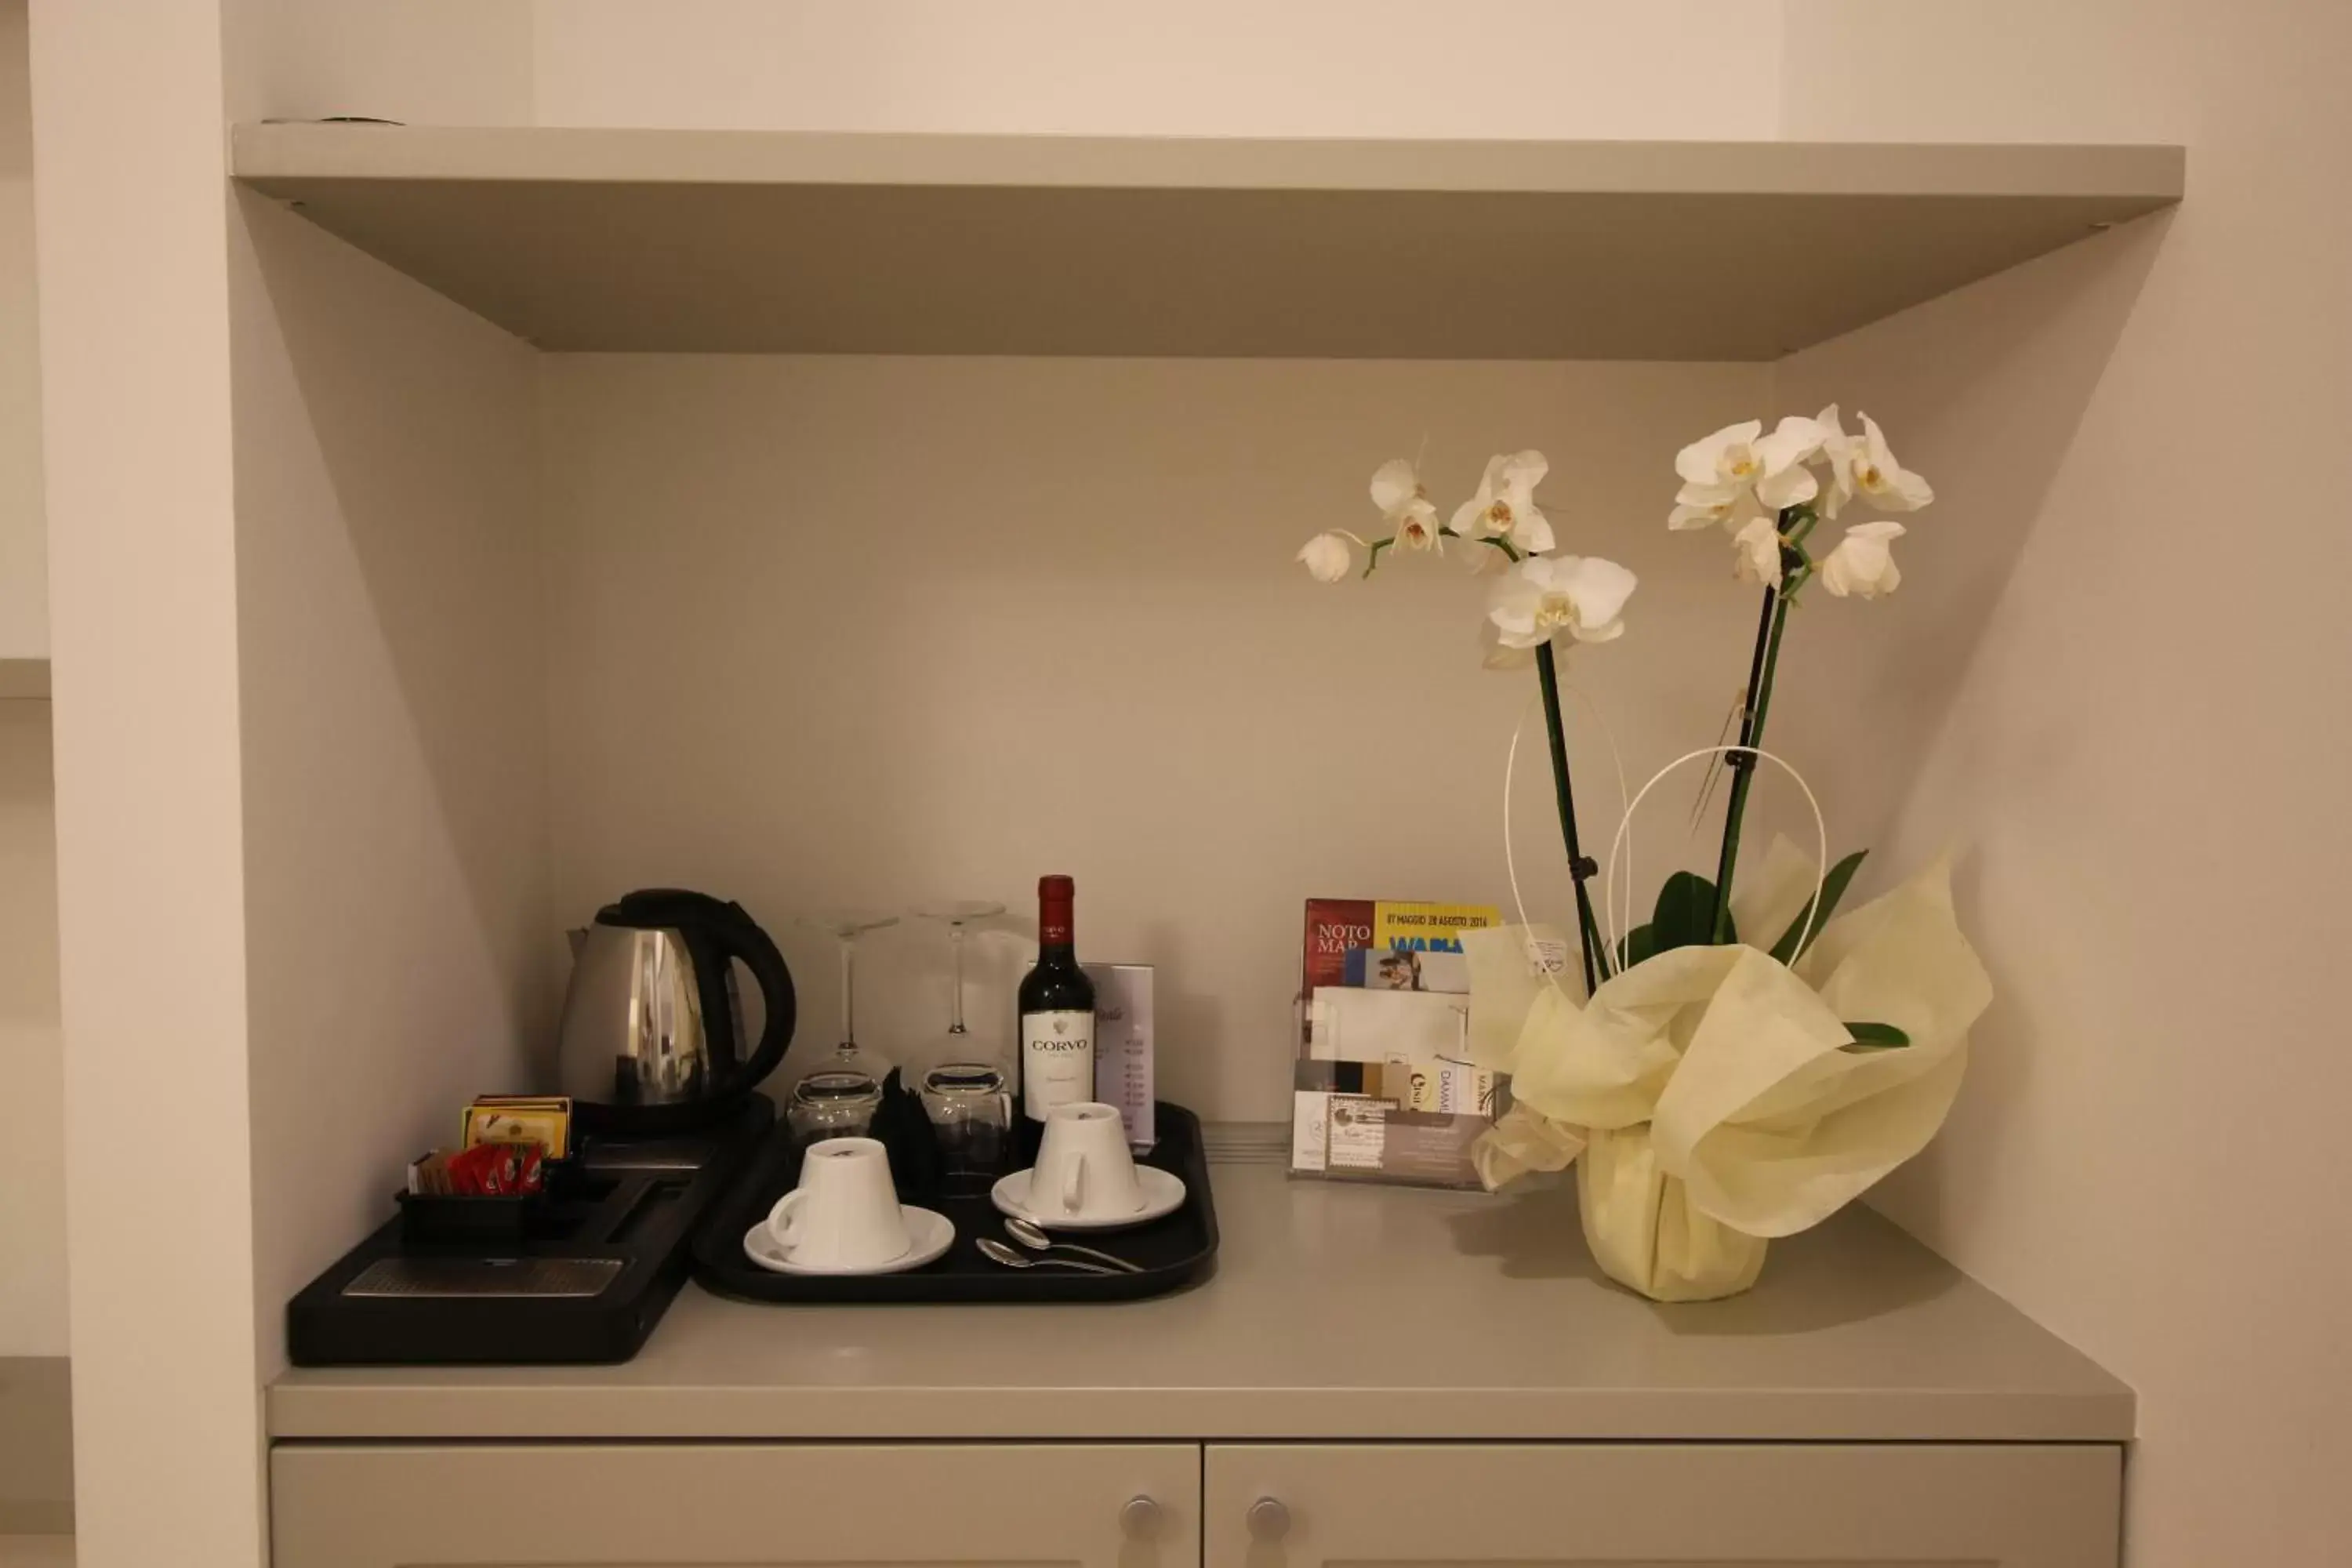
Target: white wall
(422, 62)
(1496, 68)
(389, 654)
(131, 232)
(243, 560)
(398, 943)
(792, 805)
(23, 552)
(870, 631)
(2137, 735)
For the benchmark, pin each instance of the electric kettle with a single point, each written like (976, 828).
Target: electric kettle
(652, 1038)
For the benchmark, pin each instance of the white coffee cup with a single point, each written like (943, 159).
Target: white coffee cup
(1085, 1169)
(845, 1213)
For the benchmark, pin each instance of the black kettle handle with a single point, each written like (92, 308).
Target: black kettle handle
(727, 928)
(741, 937)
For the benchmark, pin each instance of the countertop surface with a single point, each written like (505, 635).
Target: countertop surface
(1336, 1311)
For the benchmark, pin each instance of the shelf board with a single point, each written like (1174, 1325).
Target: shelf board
(1856, 1334)
(810, 243)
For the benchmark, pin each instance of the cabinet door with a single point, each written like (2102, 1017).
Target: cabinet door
(1721, 1506)
(749, 1506)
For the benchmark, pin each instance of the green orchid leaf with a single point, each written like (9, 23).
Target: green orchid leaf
(1833, 888)
(1686, 913)
(1875, 1037)
(1637, 944)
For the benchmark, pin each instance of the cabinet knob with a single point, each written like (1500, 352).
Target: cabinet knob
(1140, 1516)
(1269, 1519)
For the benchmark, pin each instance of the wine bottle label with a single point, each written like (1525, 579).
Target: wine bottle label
(1057, 1062)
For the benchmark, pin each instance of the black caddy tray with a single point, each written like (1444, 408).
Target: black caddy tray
(594, 1264)
(1178, 1250)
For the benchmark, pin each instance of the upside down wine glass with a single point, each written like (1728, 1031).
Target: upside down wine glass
(969, 1101)
(838, 1096)
(956, 914)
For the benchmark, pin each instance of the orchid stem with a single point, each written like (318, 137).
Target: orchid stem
(1596, 958)
(1760, 670)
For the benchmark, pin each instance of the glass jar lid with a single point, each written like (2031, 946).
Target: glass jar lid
(964, 1078)
(837, 1087)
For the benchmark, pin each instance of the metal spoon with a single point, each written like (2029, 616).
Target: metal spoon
(1033, 1237)
(996, 1251)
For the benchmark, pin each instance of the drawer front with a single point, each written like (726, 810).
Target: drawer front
(1705, 1505)
(746, 1506)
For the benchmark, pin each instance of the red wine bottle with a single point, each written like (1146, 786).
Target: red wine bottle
(1056, 1059)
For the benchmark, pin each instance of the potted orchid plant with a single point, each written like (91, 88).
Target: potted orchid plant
(1713, 1092)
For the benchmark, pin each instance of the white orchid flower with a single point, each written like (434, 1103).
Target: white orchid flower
(1787, 478)
(1544, 597)
(1713, 469)
(1759, 553)
(1738, 472)
(1865, 466)
(1327, 557)
(1505, 506)
(1404, 506)
(1863, 564)
(1415, 531)
(1732, 476)
(1707, 506)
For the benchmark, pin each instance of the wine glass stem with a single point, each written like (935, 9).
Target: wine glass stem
(955, 994)
(848, 995)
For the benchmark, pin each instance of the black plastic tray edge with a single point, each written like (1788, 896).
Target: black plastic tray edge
(467, 1335)
(466, 1332)
(716, 1252)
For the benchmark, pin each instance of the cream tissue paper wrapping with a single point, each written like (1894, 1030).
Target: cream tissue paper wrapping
(1707, 1090)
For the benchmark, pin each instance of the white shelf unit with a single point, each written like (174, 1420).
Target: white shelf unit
(633, 506)
(441, 682)
(753, 242)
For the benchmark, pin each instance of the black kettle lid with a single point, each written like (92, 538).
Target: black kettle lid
(648, 907)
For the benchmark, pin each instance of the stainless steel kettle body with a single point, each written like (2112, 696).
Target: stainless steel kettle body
(632, 1031)
(652, 1036)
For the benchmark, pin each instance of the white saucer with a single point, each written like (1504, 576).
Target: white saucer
(933, 1234)
(1163, 1194)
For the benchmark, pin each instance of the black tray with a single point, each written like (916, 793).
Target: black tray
(581, 1276)
(1175, 1251)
